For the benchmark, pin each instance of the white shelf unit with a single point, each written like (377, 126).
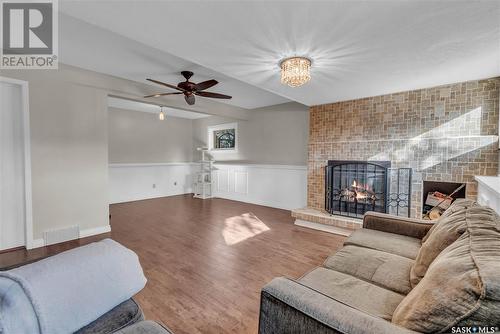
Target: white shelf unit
(203, 180)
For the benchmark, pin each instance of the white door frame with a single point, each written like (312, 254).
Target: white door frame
(28, 206)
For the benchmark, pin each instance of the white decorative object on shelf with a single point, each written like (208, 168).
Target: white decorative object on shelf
(203, 179)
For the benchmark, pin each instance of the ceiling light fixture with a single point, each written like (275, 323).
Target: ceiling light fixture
(295, 71)
(161, 115)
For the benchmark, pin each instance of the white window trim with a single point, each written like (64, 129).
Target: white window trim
(213, 128)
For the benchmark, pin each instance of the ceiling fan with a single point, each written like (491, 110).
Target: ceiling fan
(190, 89)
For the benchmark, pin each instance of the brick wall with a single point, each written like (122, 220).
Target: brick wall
(445, 133)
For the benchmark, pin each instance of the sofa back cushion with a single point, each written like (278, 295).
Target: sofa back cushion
(447, 229)
(462, 285)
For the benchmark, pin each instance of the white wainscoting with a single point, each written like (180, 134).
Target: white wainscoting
(132, 182)
(279, 186)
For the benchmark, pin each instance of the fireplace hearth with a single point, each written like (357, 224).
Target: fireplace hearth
(355, 187)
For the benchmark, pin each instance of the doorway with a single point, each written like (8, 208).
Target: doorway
(15, 165)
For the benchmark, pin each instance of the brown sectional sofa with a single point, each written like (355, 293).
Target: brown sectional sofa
(397, 275)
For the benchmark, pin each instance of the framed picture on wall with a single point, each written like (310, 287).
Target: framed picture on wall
(223, 137)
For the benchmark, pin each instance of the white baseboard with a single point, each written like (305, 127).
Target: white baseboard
(142, 198)
(93, 231)
(135, 182)
(83, 234)
(323, 227)
(36, 243)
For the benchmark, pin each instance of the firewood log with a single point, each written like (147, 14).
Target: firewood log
(435, 214)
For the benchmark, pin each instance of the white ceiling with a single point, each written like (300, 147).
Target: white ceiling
(358, 48)
(97, 49)
(119, 103)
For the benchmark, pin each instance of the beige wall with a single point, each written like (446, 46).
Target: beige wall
(139, 137)
(271, 135)
(69, 141)
(69, 144)
(69, 153)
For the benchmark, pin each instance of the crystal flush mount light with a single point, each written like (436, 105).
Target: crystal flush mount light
(295, 71)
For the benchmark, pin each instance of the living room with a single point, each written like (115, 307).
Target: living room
(250, 167)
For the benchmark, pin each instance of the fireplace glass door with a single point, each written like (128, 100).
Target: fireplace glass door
(355, 187)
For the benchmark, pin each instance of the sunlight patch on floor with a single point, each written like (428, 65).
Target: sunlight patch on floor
(240, 228)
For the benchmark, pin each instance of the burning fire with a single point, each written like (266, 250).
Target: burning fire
(362, 191)
(359, 192)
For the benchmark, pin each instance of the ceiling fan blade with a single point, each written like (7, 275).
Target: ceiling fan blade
(161, 94)
(166, 84)
(205, 84)
(213, 95)
(189, 99)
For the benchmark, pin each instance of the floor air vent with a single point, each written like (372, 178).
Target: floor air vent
(60, 235)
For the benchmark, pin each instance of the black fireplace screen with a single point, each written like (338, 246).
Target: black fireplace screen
(355, 187)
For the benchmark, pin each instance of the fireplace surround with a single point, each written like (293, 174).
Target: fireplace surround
(446, 134)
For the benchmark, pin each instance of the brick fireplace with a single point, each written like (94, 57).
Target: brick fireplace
(447, 133)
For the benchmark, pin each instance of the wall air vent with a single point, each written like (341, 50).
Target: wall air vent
(56, 236)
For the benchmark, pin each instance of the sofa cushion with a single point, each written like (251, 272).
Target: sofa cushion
(289, 307)
(446, 230)
(354, 292)
(461, 286)
(457, 205)
(385, 269)
(386, 242)
(145, 327)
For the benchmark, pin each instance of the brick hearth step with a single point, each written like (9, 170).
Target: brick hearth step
(324, 221)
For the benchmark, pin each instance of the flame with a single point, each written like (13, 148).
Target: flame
(362, 191)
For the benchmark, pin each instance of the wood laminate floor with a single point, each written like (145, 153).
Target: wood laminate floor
(206, 260)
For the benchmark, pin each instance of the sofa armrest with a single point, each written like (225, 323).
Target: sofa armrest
(290, 307)
(410, 227)
(123, 315)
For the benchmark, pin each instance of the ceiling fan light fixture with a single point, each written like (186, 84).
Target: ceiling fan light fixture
(295, 71)
(189, 89)
(161, 115)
